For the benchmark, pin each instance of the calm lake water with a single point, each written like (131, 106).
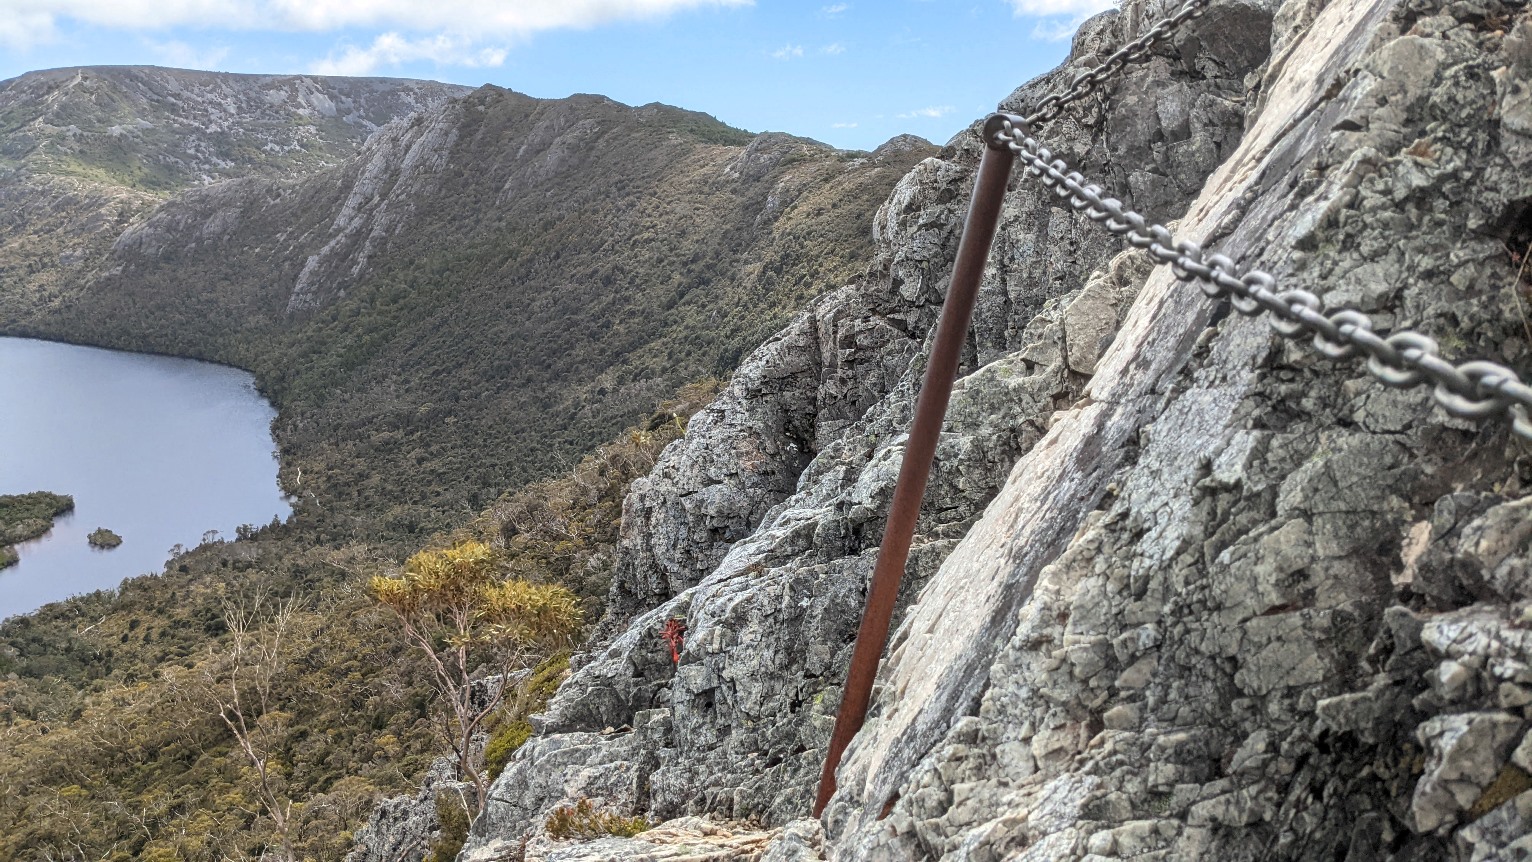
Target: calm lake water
(158, 450)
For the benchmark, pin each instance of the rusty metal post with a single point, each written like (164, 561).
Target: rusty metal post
(919, 451)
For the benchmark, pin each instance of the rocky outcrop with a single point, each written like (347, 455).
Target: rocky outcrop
(403, 828)
(398, 166)
(1228, 658)
(1182, 589)
(759, 528)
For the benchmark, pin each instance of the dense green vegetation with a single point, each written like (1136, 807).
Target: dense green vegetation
(101, 537)
(27, 516)
(110, 748)
(111, 744)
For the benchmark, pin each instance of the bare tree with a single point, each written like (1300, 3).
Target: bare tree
(238, 680)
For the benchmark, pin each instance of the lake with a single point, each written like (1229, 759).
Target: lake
(156, 449)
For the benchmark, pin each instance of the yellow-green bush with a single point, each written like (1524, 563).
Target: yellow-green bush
(582, 821)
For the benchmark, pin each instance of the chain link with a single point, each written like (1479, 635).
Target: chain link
(1086, 82)
(1473, 390)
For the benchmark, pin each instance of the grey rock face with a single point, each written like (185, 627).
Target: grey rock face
(402, 828)
(1183, 590)
(395, 167)
(834, 369)
(798, 841)
(1290, 627)
(760, 527)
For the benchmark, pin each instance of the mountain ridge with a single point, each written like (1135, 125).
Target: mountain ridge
(112, 117)
(87, 152)
(494, 201)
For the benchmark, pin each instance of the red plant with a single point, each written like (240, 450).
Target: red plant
(673, 633)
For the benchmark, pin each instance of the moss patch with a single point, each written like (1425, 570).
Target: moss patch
(505, 743)
(514, 730)
(452, 815)
(1510, 783)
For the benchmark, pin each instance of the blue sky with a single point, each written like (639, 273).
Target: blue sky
(849, 73)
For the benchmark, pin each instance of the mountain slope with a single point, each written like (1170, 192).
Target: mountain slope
(770, 572)
(477, 295)
(485, 290)
(87, 152)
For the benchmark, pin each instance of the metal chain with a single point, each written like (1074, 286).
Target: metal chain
(1086, 82)
(1472, 390)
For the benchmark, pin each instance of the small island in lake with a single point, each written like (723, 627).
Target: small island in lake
(27, 516)
(101, 537)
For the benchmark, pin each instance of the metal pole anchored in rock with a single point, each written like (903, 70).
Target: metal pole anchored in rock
(920, 450)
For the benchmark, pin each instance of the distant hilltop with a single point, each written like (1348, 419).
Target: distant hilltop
(157, 129)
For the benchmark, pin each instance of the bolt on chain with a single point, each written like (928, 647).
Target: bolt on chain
(1472, 390)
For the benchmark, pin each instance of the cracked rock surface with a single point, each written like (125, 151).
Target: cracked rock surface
(1182, 589)
(760, 527)
(402, 828)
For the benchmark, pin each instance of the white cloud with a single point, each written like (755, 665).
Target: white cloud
(787, 52)
(23, 28)
(931, 113)
(1073, 8)
(833, 48)
(391, 49)
(1058, 19)
(834, 10)
(27, 22)
(843, 125)
(1056, 30)
(183, 56)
